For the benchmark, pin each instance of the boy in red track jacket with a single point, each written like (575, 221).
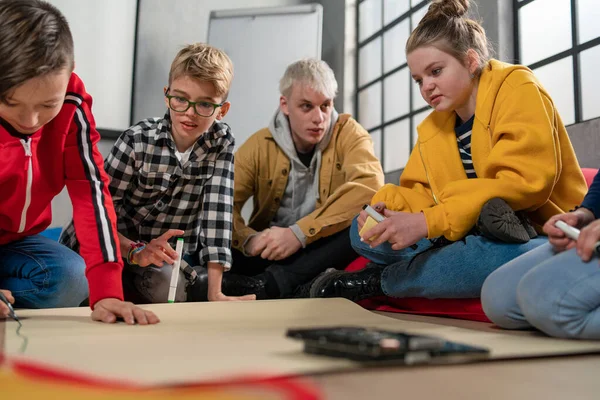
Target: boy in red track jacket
(48, 140)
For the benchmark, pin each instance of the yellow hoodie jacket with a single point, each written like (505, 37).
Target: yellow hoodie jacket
(521, 152)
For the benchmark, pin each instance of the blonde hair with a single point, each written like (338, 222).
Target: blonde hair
(206, 63)
(312, 72)
(446, 27)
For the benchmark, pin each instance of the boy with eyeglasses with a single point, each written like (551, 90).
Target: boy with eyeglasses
(173, 177)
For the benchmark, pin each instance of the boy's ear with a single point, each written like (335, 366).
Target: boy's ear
(283, 105)
(165, 89)
(223, 110)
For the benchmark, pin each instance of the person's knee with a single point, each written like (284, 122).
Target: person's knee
(66, 284)
(499, 302)
(354, 236)
(154, 284)
(555, 305)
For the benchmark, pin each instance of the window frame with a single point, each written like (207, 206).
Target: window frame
(413, 9)
(575, 51)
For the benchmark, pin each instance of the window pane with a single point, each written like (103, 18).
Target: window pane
(392, 9)
(369, 12)
(397, 146)
(369, 58)
(538, 40)
(557, 78)
(418, 15)
(417, 119)
(588, 14)
(394, 41)
(369, 106)
(417, 99)
(376, 136)
(416, 2)
(396, 95)
(590, 82)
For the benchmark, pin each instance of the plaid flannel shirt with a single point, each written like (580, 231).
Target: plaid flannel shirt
(152, 192)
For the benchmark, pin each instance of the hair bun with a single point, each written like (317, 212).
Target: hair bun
(449, 8)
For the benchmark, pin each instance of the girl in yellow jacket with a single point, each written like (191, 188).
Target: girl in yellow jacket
(494, 134)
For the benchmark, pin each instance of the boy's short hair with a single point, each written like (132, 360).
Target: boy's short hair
(206, 63)
(317, 74)
(35, 40)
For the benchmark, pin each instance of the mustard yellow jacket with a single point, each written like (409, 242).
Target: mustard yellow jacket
(350, 175)
(521, 153)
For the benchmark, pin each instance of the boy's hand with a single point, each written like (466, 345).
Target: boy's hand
(215, 279)
(4, 311)
(257, 243)
(108, 310)
(281, 243)
(221, 297)
(158, 251)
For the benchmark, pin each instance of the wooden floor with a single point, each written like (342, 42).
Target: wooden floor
(572, 377)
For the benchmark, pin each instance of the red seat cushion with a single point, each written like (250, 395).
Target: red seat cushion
(589, 174)
(469, 309)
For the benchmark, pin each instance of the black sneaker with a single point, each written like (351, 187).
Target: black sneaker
(498, 221)
(303, 291)
(353, 286)
(527, 224)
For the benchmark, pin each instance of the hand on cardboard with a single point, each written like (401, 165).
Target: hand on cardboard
(108, 310)
(280, 243)
(577, 219)
(222, 297)
(400, 229)
(4, 311)
(158, 251)
(215, 280)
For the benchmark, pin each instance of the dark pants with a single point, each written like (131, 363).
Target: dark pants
(333, 251)
(147, 285)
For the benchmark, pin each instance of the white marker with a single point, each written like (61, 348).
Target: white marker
(175, 273)
(572, 233)
(372, 213)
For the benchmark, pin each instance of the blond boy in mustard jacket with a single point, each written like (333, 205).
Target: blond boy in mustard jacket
(309, 173)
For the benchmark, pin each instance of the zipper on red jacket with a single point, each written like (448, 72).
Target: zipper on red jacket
(29, 168)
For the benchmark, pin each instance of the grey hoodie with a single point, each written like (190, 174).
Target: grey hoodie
(302, 190)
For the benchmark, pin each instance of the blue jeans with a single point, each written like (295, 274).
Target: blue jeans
(556, 293)
(456, 270)
(42, 273)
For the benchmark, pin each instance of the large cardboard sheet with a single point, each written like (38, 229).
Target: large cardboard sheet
(201, 342)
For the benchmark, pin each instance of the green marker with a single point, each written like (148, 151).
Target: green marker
(175, 273)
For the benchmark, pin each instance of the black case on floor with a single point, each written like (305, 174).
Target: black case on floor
(376, 345)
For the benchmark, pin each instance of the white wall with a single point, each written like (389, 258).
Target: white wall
(103, 32)
(164, 28)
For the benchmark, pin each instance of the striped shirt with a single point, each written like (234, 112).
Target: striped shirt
(463, 137)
